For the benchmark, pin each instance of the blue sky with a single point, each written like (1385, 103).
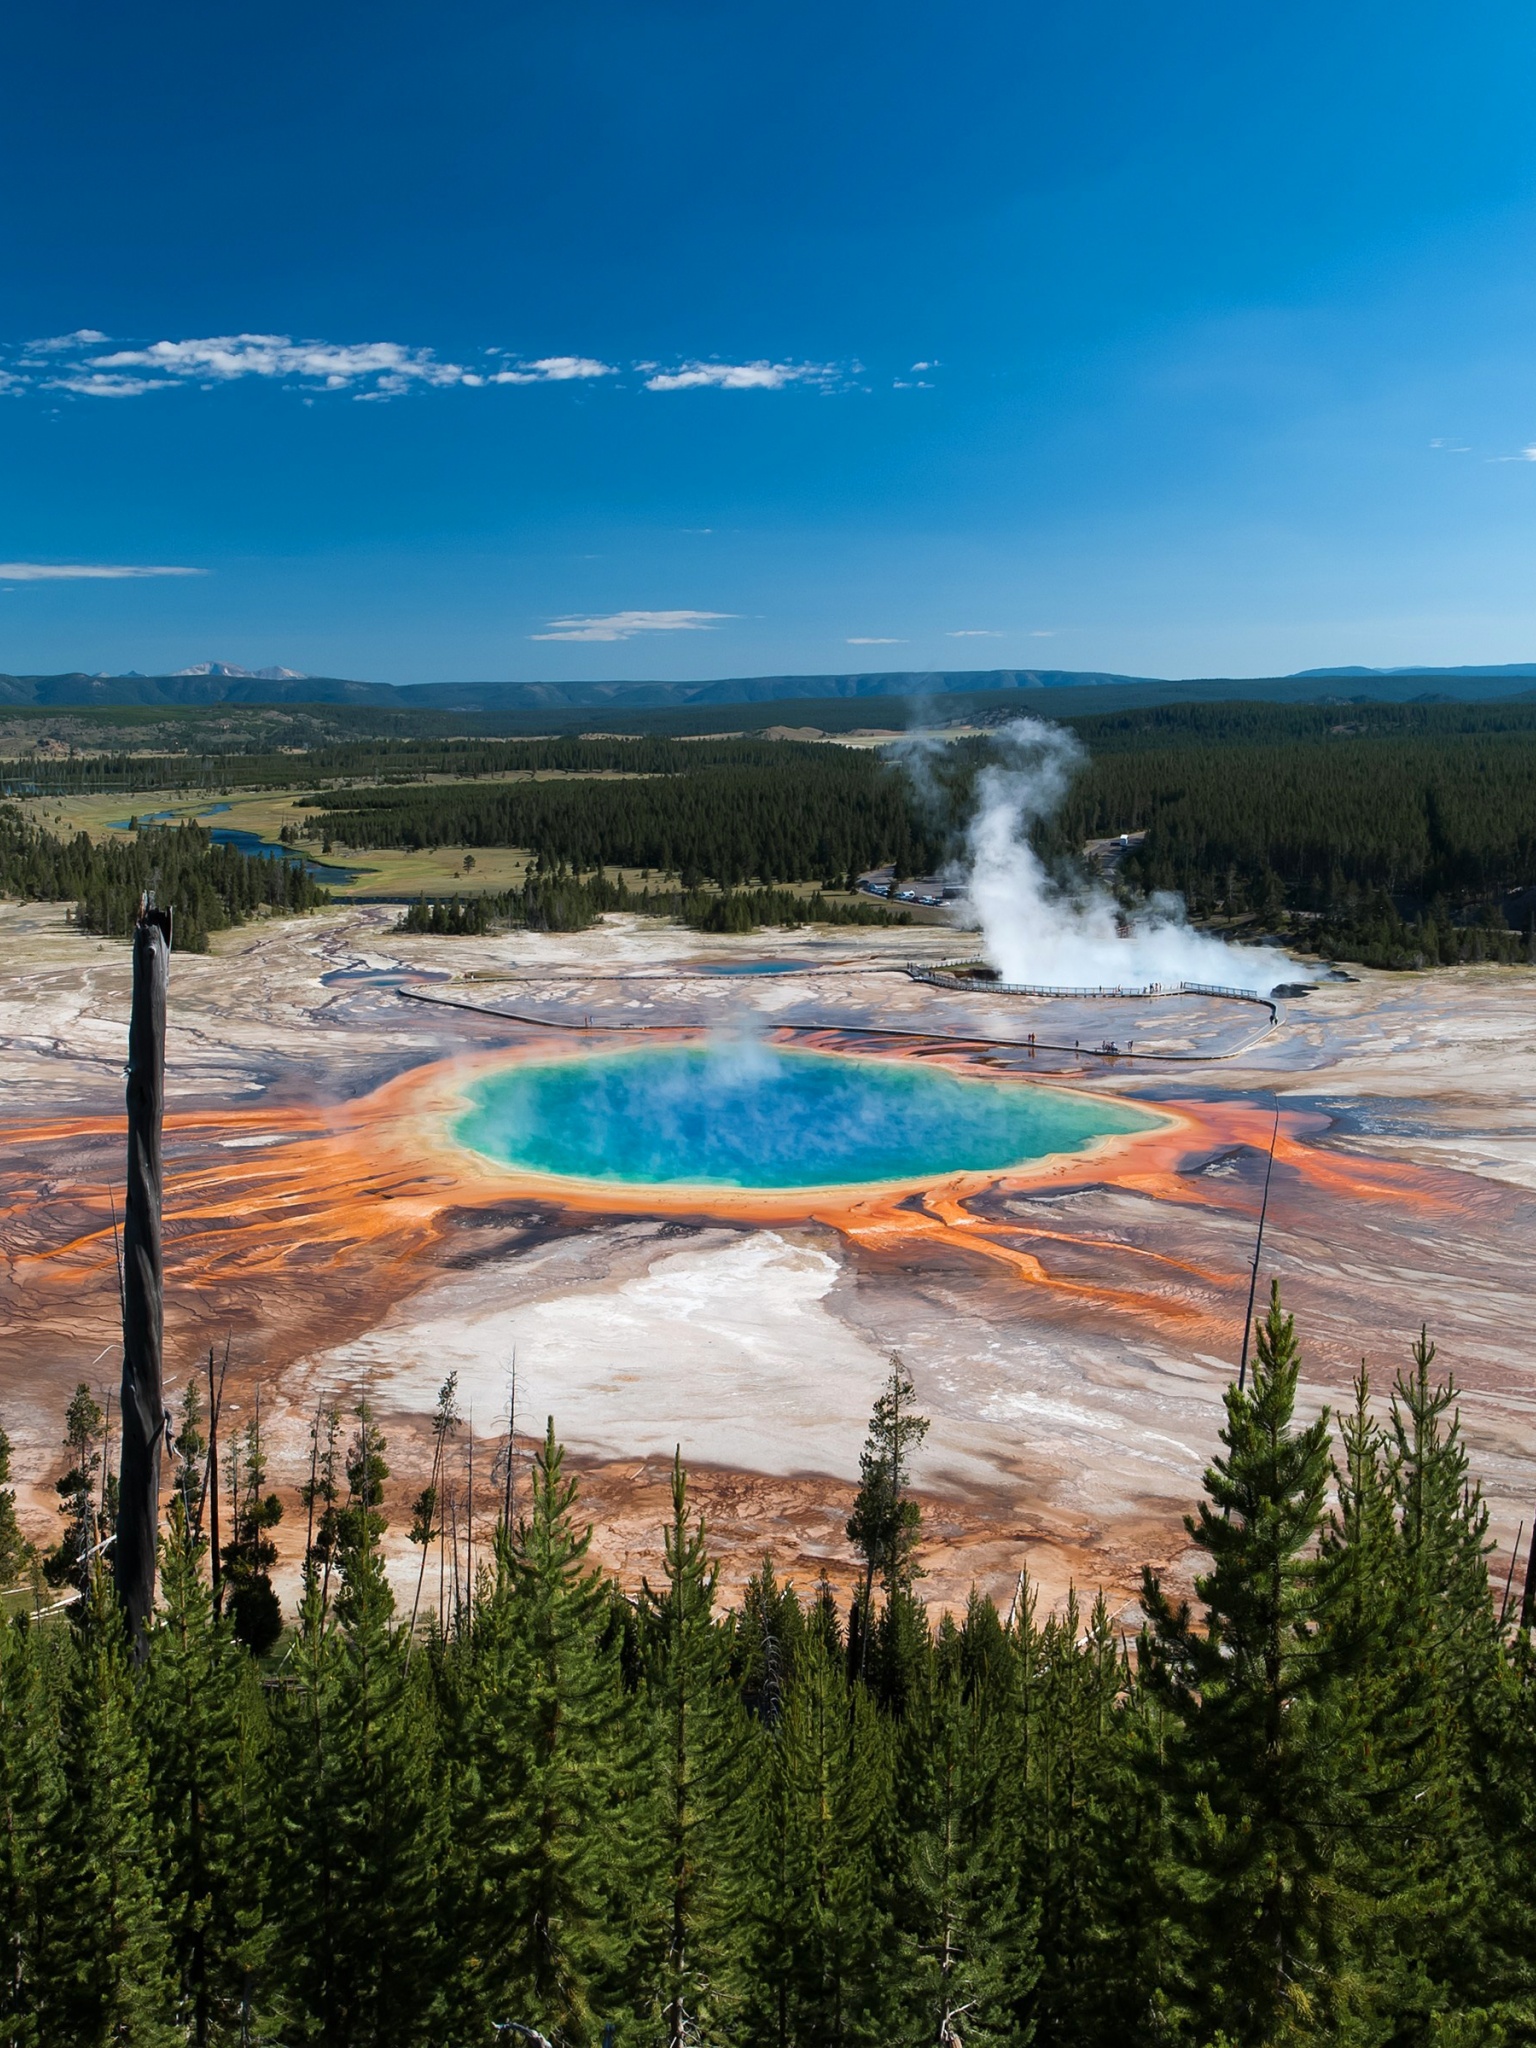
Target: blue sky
(681, 340)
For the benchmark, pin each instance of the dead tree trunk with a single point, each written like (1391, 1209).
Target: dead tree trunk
(142, 1404)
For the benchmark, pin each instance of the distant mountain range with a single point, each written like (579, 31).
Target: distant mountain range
(212, 683)
(257, 675)
(220, 682)
(1504, 668)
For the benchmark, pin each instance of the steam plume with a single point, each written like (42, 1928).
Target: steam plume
(1037, 930)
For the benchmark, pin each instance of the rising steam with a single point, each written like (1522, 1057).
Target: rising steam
(1037, 930)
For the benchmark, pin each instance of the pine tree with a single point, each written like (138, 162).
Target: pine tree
(967, 1948)
(1430, 1864)
(364, 1818)
(1078, 1819)
(30, 1791)
(427, 1511)
(766, 1644)
(69, 1561)
(249, 1555)
(816, 1971)
(208, 1745)
(886, 1521)
(320, 1497)
(1506, 1758)
(106, 1969)
(1252, 1768)
(361, 1523)
(549, 1770)
(191, 1447)
(15, 1550)
(699, 1744)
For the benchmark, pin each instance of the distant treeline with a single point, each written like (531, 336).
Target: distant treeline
(386, 759)
(207, 887)
(1244, 724)
(558, 902)
(559, 1811)
(414, 746)
(766, 813)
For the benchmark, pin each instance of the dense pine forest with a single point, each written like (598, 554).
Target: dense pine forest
(725, 812)
(209, 887)
(556, 1810)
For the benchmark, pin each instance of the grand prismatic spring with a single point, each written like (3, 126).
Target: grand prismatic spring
(700, 1207)
(749, 1116)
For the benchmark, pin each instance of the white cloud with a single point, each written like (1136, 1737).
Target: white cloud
(371, 369)
(923, 366)
(385, 365)
(93, 384)
(550, 370)
(1044, 633)
(86, 572)
(85, 365)
(974, 633)
(56, 344)
(762, 376)
(625, 625)
(1451, 445)
(873, 640)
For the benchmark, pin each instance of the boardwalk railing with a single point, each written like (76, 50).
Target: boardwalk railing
(960, 974)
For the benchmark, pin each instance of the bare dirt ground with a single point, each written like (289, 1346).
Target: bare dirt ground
(1070, 1331)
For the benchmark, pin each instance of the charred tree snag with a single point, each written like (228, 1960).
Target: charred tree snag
(142, 1405)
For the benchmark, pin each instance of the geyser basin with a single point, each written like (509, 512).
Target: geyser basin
(764, 1118)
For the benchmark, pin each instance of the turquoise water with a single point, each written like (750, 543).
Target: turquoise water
(760, 1117)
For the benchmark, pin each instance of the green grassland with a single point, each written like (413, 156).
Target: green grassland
(378, 871)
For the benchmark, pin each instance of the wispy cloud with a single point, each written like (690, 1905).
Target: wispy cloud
(1451, 445)
(973, 633)
(81, 365)
(56, 344)
(87, 572)
(96, 384)
(760, 376)
(547, 370)
(84, 365)
(625, 625)
(873, 640)
(383, 366)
